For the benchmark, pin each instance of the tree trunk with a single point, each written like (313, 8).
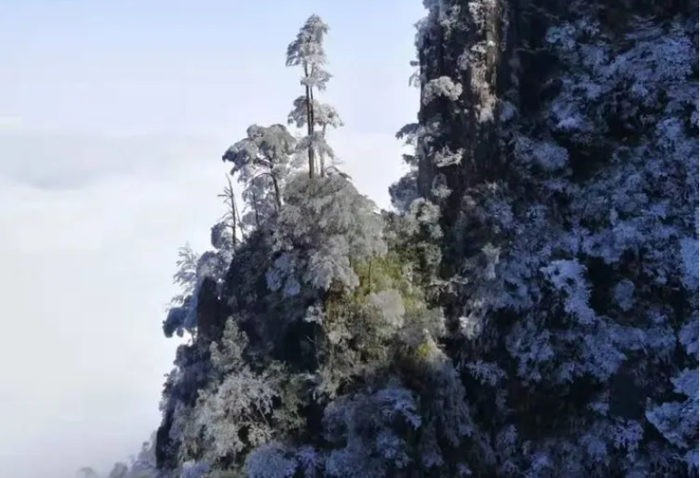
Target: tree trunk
(232, 205)
(309, 122)
(321, 158)
(255, 206)
(369, 275)
(278, 199)
(233, 223)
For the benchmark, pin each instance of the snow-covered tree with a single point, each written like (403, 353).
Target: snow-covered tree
(120, 470)
(141, 466)
(325, 227)
(271, 461)
(87, 472)
(262, 163)
(529, 309)
(307, 51)
(324, 115)
(181, 313)
(198, 275)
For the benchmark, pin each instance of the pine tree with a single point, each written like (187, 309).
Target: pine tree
(262, 163)
(530, 309)
(307, 51)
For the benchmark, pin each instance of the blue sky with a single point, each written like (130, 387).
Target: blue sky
(113, 119)
(149, 66)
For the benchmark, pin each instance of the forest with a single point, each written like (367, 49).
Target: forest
(527, 308)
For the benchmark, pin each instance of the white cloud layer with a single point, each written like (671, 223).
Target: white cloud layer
(113, 119)
(87, 256)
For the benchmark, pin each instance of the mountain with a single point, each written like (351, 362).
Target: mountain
(530, 307)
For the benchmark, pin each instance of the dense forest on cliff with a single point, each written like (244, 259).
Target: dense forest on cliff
(528, 308)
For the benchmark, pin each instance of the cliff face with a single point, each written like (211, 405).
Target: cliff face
(530, 310)
(565, 169)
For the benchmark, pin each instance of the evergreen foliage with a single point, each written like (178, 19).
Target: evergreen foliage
(307, 51)
(529, 308)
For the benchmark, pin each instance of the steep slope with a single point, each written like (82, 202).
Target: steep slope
(530, 310)
(559, 140)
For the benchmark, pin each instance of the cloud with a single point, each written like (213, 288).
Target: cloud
(87, 260)
(86, 273)
(10, 122)
(70, 161)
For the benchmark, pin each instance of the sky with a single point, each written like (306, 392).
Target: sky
(113, 119)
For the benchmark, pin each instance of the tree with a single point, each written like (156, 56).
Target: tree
(262, 162)
(324, 228)
(231, 219)
(324, 116)
(307, 51)
(193, 271)
(530, 309)
(87, 472)
(120, 470)
(234, 413)
(186, 275)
